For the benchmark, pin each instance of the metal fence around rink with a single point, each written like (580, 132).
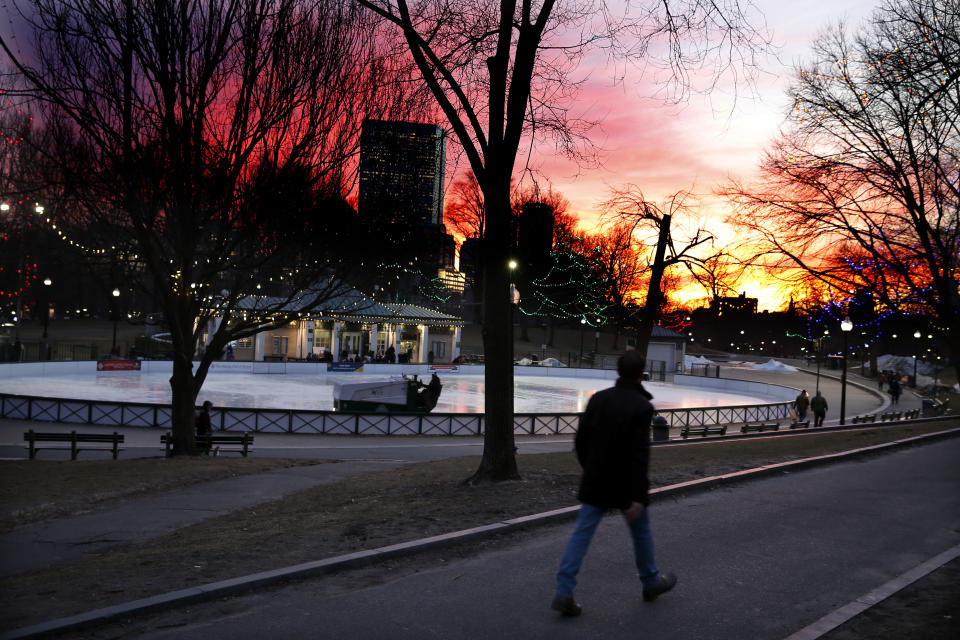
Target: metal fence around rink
(131, 414)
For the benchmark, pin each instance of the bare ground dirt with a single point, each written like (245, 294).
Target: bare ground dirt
(364, 512)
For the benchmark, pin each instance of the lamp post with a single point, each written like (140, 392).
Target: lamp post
(45, 319)
(816, 355)
(846, 327)
(116, 294)
(583, 322)
(916, 334)
(514, 301)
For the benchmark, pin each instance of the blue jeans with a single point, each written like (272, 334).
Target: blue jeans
(587, 522)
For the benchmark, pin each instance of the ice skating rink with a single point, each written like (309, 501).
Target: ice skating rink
(462, 393)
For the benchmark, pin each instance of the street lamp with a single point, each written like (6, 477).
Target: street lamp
(583, 322)
(514, 301)
(45, 309)
(846, 327)
(116, 294)
(916, 334)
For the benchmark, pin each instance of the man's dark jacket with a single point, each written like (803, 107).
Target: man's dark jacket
(613, 446)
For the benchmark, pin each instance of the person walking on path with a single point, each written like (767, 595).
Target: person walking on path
(894, 391)
(802, 403)
(613, 448)
(819, 406)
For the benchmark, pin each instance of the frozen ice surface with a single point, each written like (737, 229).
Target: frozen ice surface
(461, 393)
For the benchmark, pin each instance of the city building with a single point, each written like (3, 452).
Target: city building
(401, 171)
(729, 305)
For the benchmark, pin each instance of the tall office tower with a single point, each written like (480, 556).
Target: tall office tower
(401, 171)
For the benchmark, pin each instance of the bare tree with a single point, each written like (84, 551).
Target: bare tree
(502, 72)
(861, 192)
(645, 218)
(464, 211)
(615, 256)
(719, 273)
(210, 141)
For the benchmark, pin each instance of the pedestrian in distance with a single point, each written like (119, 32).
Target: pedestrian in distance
(894, 391)
(880, 380)
(202, 424)
(802, 403)
(819, 407)
(613, 447)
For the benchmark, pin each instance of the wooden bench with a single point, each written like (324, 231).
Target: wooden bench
(941, 407)
(890, 415)
(864, 419)
(37, 440)
(805, 424)
(760, 426)
(703, 432)
(229, 443)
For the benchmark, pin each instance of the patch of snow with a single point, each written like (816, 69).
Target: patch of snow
(773, 365)
(551, 362)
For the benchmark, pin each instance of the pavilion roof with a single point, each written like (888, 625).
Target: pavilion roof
(351, 305)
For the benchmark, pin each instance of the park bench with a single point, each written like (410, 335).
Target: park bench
(760, 426)
(803, 424)
(222, 443)
(890, 415)
(703, 432)
(864, 419)
(37, 440)
(940, 407)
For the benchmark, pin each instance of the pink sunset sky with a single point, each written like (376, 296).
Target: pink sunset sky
(699, 144)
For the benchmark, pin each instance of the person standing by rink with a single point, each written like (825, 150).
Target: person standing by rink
(613, 448)
(802, 403)
(202, 424)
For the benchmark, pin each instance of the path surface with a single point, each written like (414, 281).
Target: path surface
(760, 560)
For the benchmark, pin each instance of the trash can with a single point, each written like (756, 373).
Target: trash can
(928, 407)
(661, 430)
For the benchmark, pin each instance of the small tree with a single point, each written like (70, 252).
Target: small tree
(645, 217)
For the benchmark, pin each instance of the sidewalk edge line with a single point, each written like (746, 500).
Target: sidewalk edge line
(233, 586)
(852, 609)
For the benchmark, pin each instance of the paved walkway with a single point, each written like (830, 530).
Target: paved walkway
(762, 560)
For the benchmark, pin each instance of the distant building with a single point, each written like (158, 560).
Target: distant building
(740, 305)
(401, 171)
(535, 237)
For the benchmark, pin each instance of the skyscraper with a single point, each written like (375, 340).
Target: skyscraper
(401, 171)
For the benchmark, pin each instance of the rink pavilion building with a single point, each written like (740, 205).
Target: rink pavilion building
(348, 327)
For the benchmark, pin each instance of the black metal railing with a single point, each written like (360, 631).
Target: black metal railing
(132, 414)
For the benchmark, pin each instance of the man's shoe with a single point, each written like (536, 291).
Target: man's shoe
(566, 606)
(667, 582)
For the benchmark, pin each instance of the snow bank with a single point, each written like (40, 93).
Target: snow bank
(773, 365)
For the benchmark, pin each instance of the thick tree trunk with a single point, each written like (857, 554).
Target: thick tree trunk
(183, 383)
(182, 406)
(651, 310)
(499, 460)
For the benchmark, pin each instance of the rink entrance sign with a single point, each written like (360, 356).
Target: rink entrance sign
(118, 365)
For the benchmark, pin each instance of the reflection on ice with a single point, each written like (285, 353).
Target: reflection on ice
(461, 393)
